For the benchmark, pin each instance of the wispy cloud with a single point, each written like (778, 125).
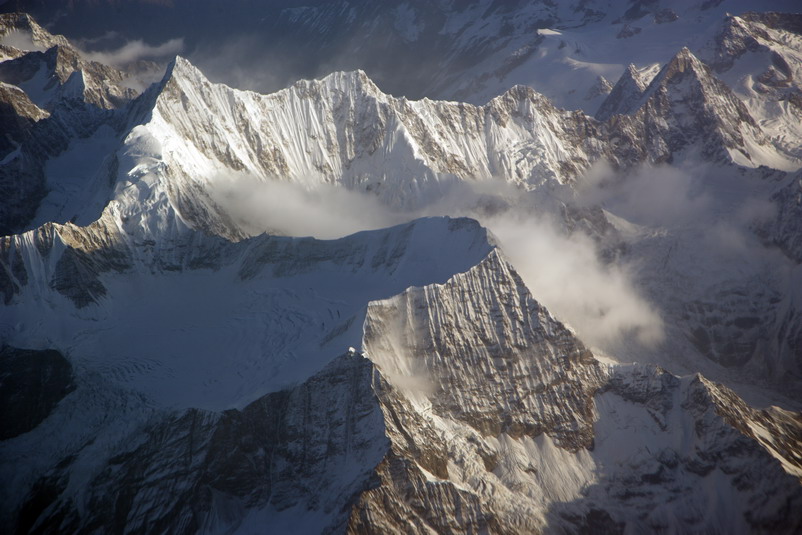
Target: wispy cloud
(651, 195)
(565, 272)
(136, 50)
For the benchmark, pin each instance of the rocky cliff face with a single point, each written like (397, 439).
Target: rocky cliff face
(307, 450)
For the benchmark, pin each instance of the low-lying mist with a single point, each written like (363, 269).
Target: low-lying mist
(287, 208)
(564, 270)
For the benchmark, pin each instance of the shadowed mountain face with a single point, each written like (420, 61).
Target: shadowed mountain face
(328, 309)
(31, 385)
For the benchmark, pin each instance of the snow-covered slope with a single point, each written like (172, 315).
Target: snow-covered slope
(155, 313)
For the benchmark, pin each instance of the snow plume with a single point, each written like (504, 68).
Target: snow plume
(134, 51)
(288, 208)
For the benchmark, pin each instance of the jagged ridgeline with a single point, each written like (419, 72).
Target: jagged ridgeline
(174, 363)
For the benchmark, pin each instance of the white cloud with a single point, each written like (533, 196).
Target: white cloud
(651, 195)
(288, 208)
(21, 40)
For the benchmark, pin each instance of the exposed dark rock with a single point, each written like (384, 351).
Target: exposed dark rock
(32, 382)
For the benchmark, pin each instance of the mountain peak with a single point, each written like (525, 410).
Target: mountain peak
(714, 120)
(684, 66)
(180, 78)
(182, 68)
(357, 82)
(17, 21)
(683, 63)
(625, 94)
(631, 73)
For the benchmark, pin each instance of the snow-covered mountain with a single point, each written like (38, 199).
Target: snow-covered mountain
(193, 364)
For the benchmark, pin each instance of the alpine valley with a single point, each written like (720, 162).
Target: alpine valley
(543, 275)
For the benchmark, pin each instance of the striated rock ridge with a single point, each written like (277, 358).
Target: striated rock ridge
(23, 22)
(755, 32)
(514, 353)
(18, 114)
(188, 134)
(298, 299)
(71, 260)
(305, 450)
(53, 99)
(342, 130)
(680, 434)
